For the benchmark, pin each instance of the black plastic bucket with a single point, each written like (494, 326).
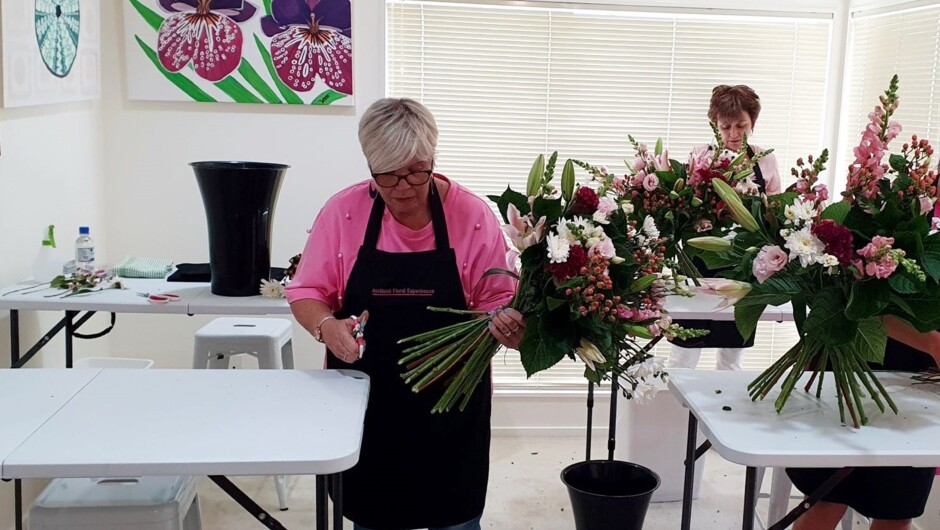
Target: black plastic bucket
(609, 494)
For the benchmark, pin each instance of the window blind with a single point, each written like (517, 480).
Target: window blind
(906, 43)
(507, 82)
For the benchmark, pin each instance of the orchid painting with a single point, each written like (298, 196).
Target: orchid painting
(259, 51)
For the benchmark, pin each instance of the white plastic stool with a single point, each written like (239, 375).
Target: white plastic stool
(145, 503)
(267, 339)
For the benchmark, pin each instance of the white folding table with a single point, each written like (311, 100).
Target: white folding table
(127, 423)
(807, 433)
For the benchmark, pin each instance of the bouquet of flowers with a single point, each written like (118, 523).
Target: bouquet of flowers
(680, 197)
(842, 267)
(591, 285)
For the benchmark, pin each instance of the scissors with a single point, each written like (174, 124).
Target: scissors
(359, 331)
(160, 298)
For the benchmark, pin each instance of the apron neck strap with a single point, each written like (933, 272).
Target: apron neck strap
(758, 174)
(441, 239)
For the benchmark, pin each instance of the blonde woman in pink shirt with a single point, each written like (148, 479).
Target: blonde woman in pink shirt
(382, 251)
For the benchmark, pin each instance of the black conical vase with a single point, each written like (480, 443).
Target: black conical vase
(239, 198)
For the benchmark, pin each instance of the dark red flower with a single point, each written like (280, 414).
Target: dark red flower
(585, 201)
(838, 240)
(577, 258)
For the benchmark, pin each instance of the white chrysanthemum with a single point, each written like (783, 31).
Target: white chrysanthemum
(643, 393)
(828, 260)
(799, 212)
(271, 289)
(557, 248)
(650, 367)
(565, 233)
(582, 223)
(805, 246)
(649, 228)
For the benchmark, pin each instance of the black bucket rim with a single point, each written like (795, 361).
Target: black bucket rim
(654, 474)
(237, 164)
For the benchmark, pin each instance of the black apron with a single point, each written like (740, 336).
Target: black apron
(722, 333)
(415, 470)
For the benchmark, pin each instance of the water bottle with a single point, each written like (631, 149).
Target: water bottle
(84, 251)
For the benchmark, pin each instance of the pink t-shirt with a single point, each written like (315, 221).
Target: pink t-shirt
(340, 227)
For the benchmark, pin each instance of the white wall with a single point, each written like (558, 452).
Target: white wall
(154, 205)
(50, 167)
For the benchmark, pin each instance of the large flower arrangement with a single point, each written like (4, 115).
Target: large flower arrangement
(591, 285)
(843, 267)
(680, 197)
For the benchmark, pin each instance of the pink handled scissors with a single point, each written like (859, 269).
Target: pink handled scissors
(160, 298)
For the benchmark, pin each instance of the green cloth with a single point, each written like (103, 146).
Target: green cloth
(131, 267)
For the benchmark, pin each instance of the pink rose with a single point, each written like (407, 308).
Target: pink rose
(650, 182)
(637, 179)
(770, 260)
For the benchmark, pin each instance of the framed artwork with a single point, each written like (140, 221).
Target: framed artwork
(261, 51)
(51, 51)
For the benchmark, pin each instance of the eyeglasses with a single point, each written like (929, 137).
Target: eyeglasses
(391, 180)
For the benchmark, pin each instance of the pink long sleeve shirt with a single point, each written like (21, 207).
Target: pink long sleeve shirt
(340, 227)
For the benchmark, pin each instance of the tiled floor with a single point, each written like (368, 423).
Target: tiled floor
(525, 492)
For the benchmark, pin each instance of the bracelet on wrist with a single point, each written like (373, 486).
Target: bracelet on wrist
(318, 332)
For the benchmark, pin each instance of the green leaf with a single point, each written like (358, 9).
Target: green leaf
(328, 97)
(267, 7)
(236, 91)
(898, 162)
(180, 80)
(931, 257)
(902, 282)
(533, 256)
(150, 17)
(251, 76)
(871, 340)
(826, 321)
(746, 318)
(508, 197)
(550, 208)
(667, 179)
(567, 180)
(717, 260)
(289, 95)
(554, 303)
(900, 303)
(889, 216)
(867, 299)
(926, 315)
(861, 222)
(799, 311)
(836, 211)
(548, 338)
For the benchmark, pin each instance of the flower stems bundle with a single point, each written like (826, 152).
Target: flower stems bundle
(466, 346)
(853, 379)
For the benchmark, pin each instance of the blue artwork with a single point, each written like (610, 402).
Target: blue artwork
(57, 29)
